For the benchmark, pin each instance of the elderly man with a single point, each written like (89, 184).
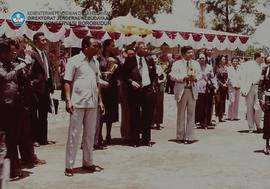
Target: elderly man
(82, 92)
(251, 77)
(185, 73)
(140, 75)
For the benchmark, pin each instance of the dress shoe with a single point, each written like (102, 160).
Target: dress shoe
(221, 120)
(266, 150)
(108, 141)
(69, 172)
(39, 161)
(236, 119)
(259, 130)
(99, 147)
(16, 174)
(36, 144)
(147, 144)
(92, 168)
(47, 143)
(211, 124)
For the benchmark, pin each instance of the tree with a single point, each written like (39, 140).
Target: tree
(234, 16)
(3, 6)
(142, 9)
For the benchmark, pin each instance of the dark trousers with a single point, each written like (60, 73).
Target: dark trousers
(210, 108)
(202, 107)
(266, 120)
(39, 119)
(9, 124)
(25, 144)
(221, 101)
(141, 114)
(169, 85)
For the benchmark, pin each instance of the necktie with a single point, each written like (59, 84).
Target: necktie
(45, 64)
(187, 64)
(140, 65)
(140, 62)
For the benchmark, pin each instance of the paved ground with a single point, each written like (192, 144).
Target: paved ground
(224, 158)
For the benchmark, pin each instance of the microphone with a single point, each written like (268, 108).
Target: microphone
(26, 61)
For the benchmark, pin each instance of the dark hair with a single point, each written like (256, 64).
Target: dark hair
(106, 43)
(37, 35)
(14, 43)
(86, 42)
(185, 49)
(218, 59)
(235, 58)
(4, 46)
(257, 55)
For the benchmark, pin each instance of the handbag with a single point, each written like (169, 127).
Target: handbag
(210, 88)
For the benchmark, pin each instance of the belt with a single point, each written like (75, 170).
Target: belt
(267, 93)
(188, 87)
(146, 87)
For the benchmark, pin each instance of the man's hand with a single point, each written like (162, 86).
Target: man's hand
(244, 94)
(20, 66)
(262, 105)
(102, 108)
(135, 85)
(69, 107)
(191, 78)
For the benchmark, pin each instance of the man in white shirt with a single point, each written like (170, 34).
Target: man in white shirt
(234, 76)
(251, 77)
(82, 92)
(185, 73)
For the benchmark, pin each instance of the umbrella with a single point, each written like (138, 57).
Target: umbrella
(129, 25)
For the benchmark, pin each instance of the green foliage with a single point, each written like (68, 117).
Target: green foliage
(3, 6)
(142, 9)
(233, 15)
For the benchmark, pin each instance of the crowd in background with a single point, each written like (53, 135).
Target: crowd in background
(102, 76)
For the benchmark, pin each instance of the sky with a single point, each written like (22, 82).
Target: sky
(183, 16)
(183, 10)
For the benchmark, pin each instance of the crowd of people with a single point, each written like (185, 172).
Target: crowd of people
(99, 78)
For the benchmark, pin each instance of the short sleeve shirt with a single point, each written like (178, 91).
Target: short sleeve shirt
(84, 76)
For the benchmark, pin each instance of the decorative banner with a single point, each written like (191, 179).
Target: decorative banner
(34, 26)
(171, 35)
(67, 33)
(72, 35)
(10, 24)
(1, 22)
(157, 34)
(197, 36)
(232, 38)
(54, 28)
(243, 39)
(97, 34)
(221, 38)
(80, 31)
(114, 35)
(185, 35)
(209, 37)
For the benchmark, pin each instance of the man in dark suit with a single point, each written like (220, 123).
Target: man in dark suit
(140, 75)
(211, 61)
(41, 79)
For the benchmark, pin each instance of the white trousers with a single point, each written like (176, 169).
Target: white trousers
(85, 118)
(186, 123)
(234, 103)
(254, 111)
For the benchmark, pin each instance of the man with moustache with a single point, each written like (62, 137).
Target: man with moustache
(83, 97)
